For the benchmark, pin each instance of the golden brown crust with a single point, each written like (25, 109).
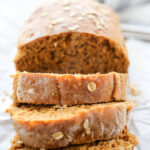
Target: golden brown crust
(53, 128)
(126, 141)
(120, 86)
(69, 89)
(69, 39)
(62, 22)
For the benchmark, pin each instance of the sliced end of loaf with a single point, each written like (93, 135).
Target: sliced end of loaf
(60, 127)
(74, 53)
(47, 112)
(69, 89)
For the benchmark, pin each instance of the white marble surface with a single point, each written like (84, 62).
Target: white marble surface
(12, 14)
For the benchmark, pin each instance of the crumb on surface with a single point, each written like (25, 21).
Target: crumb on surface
(134, 90)
(3, 99)
(8, 94)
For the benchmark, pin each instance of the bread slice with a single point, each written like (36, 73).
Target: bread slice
(61, 37)
(126, 141)
(52, 127)
(69, 89)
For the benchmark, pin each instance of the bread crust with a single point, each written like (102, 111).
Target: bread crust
(110, 29)
(69, 89)
(37, 127)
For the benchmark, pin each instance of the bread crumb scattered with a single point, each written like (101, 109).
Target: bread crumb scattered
(3, 99)
(134, 90)
(8, 94)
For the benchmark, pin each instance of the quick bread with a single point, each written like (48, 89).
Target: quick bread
(69, 89)
(62, 37)
(126, 141)
(52, 127)
(73, 95)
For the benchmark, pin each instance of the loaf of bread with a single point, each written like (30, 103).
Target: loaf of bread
(76, 36)
(69, 89)
(126, 141)
(54, 127)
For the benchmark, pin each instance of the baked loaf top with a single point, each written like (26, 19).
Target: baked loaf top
(126, 141)
(62, 37)
(95, 18)
(54, 127)
(69, 89)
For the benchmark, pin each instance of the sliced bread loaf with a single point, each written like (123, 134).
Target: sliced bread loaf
(126, 141)
(61, 37)
(69, 89)
(51, 127)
